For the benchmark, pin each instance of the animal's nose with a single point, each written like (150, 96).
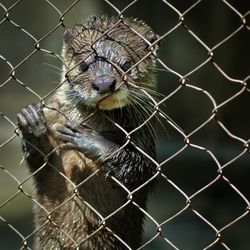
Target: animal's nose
(104, 85)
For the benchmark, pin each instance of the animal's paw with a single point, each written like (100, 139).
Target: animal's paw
(84, 139)
(31, 121)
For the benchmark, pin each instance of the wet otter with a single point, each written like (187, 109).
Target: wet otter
(93, 143)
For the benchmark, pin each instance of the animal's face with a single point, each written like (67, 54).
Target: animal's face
(105, 69)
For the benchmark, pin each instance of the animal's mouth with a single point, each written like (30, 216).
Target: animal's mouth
(117, 99)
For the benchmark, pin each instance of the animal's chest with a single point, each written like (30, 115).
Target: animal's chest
(74, 203)
(69, 225)
(76, 177)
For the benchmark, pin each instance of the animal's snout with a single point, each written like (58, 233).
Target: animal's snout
(104, 85)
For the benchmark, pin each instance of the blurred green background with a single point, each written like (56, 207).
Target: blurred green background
(212, 21)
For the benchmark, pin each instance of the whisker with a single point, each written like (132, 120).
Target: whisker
(58, 70)
(139, 105)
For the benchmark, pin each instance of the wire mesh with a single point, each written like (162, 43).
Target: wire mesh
(201, 198)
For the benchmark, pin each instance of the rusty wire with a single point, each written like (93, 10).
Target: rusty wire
(220, 174)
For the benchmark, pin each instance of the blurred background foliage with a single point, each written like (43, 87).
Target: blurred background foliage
(211, 21)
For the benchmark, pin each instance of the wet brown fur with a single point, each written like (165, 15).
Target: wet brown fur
(63, 217)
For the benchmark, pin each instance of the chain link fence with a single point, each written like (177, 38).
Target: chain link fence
(201, 197)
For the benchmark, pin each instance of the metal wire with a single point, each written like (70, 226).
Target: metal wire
(218, 167)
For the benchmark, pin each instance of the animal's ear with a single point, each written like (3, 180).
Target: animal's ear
(72, 33)
(68, 35)
(152, 38)
(68, 38)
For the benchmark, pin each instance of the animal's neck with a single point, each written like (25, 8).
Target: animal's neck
(113, 124)
(101, 121)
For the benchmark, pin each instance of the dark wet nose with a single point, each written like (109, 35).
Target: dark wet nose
(104, 85)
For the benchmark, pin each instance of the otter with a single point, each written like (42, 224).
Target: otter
(90, 149)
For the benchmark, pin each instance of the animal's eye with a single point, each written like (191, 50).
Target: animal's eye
(83, 66)
(101, 58)
(126, 66)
